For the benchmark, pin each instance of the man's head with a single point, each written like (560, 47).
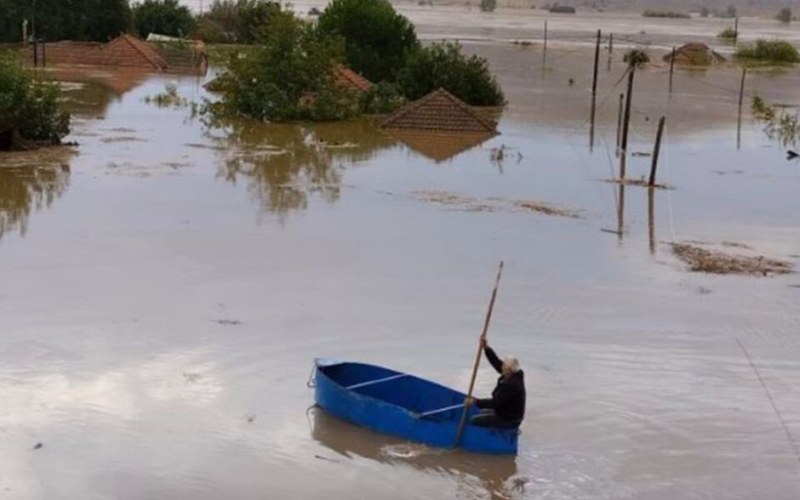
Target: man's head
(510, 366)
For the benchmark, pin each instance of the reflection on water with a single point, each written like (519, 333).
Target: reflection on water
(479, 474)
(440, 146)
(285, 164)
(25, 187)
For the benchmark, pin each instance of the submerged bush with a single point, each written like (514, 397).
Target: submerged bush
(444, 65)
(784, 15)
(728, 35)
(665, 13)
(488, 5)
(30, 112)
(288, 77)
(777, 51)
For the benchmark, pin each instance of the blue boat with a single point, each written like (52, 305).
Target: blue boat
(403, 405)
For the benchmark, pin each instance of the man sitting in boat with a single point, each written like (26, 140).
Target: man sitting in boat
(506, 407)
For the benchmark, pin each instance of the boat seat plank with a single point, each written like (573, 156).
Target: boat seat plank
(376, 381)
(441, 410)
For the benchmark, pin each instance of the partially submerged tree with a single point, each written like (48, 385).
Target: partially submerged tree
(444, 65)
(784, 15)
(237, 21)
(636, 58)
(30, 112)
(81, 20)
(163, 17)
(378, 40)
(290, 76)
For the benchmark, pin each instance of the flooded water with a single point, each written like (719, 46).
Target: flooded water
(165, 286)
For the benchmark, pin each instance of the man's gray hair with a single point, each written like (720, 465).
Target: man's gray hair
(513, 363)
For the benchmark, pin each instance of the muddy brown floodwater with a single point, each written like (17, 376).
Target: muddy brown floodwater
(165, 286)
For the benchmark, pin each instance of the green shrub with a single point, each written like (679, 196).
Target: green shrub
(488, 5)
(775, 51)
(163, 17)
(378, 40)
(288, 77)
(383, 99)
(444, 65)
(29, 110)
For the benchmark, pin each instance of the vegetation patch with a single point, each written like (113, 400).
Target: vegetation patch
(666, 13)
(716, 262)
(780, 125)
(30, 111)
(772, 51)
(305, 71)
(728, 35)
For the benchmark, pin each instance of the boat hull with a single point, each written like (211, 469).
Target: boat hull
(405, 406)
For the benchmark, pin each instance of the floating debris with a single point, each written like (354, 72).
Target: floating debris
(641, 182)
(715, 262)
(38, 446)
(471, 204)
(228, 322)
(533, 206)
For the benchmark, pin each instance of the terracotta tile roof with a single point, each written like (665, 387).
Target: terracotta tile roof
(439, 110)
(438, 145)
(144, 50)
(349, 79)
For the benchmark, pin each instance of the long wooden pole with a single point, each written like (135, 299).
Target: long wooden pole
(619, 121)
(544, 50)
(478, 356)
(741, 101)
(671, 68)
(594, 88)
(626, 124)
(656, 152)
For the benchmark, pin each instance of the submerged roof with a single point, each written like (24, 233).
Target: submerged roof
(142, 48)
(439, 110)
(350, 80)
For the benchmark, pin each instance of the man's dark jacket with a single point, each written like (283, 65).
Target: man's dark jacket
(508, 398)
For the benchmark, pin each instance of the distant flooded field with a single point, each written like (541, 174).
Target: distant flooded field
(165, 286)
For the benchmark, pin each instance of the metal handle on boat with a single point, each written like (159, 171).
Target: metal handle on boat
(312, 377)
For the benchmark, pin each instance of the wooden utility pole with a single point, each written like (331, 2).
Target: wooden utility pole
(741, 89)
(611, 43)
(619, 121)
(741, 101)
(544, 52)
(626, 123)
(671, 68)
(736, 30)
(656, 151)
(594, 87)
